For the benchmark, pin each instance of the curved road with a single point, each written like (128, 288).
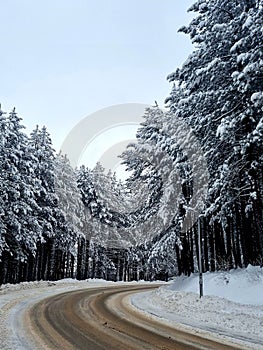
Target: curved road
(96, 319)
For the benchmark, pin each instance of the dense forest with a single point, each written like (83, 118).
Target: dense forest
(198, 162)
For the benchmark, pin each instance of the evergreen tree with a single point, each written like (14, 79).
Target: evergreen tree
(69, 203)
(218, 93)
(19, 181)
(19, 224)
(49, 216)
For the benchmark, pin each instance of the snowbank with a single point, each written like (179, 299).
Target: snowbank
(232, 304)
(243, 286)
(6, 288)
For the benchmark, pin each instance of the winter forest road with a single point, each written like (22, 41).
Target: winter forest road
(96, 319)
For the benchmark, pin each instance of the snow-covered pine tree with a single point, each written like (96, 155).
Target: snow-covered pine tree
(70, 232)
(218, 92)
(164, 155)
(19, 223)
(2, 200)
(49, 216)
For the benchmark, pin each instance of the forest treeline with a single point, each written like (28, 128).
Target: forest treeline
(200, 160)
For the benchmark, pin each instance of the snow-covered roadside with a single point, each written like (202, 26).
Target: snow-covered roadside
(16, 298)
(231, 307)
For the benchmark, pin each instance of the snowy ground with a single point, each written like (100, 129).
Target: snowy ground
(232, 305)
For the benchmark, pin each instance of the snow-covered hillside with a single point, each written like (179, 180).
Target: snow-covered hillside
(232, 304)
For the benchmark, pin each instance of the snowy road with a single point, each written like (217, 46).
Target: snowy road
(103, 319)
(28, 312)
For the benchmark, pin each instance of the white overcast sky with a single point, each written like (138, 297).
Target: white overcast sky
(64, 59)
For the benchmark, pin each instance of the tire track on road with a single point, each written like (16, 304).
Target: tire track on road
(101, 319)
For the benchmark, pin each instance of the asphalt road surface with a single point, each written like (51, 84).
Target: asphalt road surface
(96, 319)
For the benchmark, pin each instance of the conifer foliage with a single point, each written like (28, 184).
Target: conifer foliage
(218, 92)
